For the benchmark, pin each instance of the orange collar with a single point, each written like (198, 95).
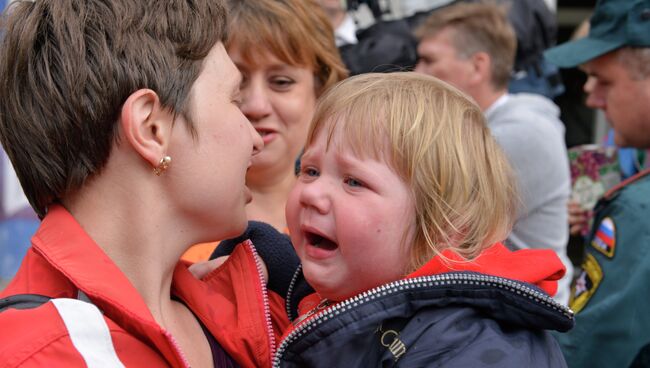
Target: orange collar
(540, 267)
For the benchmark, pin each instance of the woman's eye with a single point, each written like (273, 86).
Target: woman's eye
(282, 83)
(244, 81)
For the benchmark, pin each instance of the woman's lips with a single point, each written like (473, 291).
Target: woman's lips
(267, 135)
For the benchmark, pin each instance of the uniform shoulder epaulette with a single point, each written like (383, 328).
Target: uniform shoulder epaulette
(625, 183)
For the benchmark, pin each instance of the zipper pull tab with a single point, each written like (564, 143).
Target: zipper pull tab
(324, 304)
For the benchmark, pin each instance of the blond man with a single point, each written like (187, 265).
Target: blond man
(472, 46)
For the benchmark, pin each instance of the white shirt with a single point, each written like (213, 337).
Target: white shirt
(346, 32)
(495, 105)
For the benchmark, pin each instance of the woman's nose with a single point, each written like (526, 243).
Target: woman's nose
(255, 100)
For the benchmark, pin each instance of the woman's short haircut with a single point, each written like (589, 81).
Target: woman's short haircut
(295, 31)
(437, 140)
(477, 27)
(67, 67)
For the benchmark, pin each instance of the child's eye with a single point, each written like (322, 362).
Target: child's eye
(354, 183)
(309, 171)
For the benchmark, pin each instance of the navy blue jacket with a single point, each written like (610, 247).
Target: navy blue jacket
(459, 319)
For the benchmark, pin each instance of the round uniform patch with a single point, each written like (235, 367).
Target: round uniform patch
(586, 283)
(604, 239)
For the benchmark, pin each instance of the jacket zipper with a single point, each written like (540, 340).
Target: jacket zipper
(177, 347)
(267, 312)
(265, 298)
(292, 285)
(321, 316)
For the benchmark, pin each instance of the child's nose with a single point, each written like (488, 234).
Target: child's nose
(315, 195)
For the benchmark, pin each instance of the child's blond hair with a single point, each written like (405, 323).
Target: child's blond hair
(437, 140)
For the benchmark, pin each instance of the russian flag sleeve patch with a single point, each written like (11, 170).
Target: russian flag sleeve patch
(604, 239)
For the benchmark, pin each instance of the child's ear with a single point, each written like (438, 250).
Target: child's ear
(146, 125)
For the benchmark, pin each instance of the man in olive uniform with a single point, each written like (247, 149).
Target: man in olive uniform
(611, 292)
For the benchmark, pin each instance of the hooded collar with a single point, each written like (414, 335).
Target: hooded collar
(539, 267)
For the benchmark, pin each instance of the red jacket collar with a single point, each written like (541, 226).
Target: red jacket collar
(70, 250)
(540, 267)
(228, 301)
(66, 246)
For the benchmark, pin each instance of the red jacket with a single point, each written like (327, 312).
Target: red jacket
(64, 260)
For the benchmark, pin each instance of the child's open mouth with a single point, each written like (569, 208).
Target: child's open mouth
(319, 241)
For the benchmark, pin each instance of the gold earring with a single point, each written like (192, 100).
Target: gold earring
(162, 165)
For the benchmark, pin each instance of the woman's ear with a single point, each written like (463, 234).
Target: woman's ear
(146, 125)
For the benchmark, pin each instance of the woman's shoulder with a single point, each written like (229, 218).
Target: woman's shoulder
(67, 332)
